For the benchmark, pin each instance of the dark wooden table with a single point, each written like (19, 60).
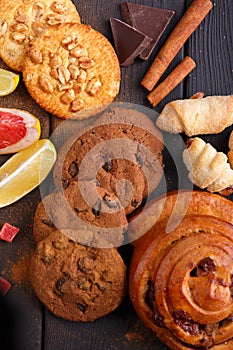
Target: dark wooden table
(28, 324)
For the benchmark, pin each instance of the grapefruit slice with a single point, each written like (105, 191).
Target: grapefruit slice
(25, 170)
(18, 130)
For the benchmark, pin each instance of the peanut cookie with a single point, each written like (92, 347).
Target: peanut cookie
(127, 157)
(94, 213)
(22, 20)
(75, 282)
(72, 71)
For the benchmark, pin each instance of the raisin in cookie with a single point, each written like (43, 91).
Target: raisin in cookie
(94, 213)
(126, 155)
(72, 71)
(75, 282)
(22, 20)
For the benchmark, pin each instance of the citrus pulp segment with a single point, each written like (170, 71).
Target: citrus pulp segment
(19, 129)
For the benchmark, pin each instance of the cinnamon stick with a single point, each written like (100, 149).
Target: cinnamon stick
(197, 11)
(172, 80)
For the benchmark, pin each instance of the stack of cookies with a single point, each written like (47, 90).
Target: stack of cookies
(101, 176)
(76, 271)
(70, 69)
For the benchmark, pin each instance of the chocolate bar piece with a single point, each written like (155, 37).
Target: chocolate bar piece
(151, 21)
(129, 42)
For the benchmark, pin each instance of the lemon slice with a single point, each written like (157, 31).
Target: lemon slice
(25, 170)
(8, 82)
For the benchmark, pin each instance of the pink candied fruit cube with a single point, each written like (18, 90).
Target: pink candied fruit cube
(8, 232)
(4, 286)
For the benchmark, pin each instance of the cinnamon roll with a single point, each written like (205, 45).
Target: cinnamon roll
(173, 206)
(181, 283)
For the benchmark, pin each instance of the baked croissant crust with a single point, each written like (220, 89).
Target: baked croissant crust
(207, 168)
(181, 283)
(209, 115)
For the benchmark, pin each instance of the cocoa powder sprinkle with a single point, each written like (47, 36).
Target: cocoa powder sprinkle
(19, 270)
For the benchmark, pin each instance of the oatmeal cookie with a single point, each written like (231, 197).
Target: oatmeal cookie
(22, 20)
(72, 71)
(75, 282)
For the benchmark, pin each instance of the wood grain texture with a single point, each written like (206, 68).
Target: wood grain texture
(21, 300)
(211, 47)
(25, 309)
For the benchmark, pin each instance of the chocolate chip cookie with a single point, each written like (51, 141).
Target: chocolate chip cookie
(72, 71)
(123, 155)
(75, 282)
(93, 213)
(23, 20)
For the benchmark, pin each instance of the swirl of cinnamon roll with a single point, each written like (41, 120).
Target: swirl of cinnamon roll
(173, 206)
(182, 285)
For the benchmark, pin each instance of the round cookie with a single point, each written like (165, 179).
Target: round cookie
(23, 20)
(125, 179)
(97, 221)
(117, 151)
(75, 282)
(43, 224)
(72, 71)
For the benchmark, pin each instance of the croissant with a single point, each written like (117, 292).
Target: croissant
(180, 283)
(207, 167)
(209, 115)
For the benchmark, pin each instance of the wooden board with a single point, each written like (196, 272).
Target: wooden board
(30, 325)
